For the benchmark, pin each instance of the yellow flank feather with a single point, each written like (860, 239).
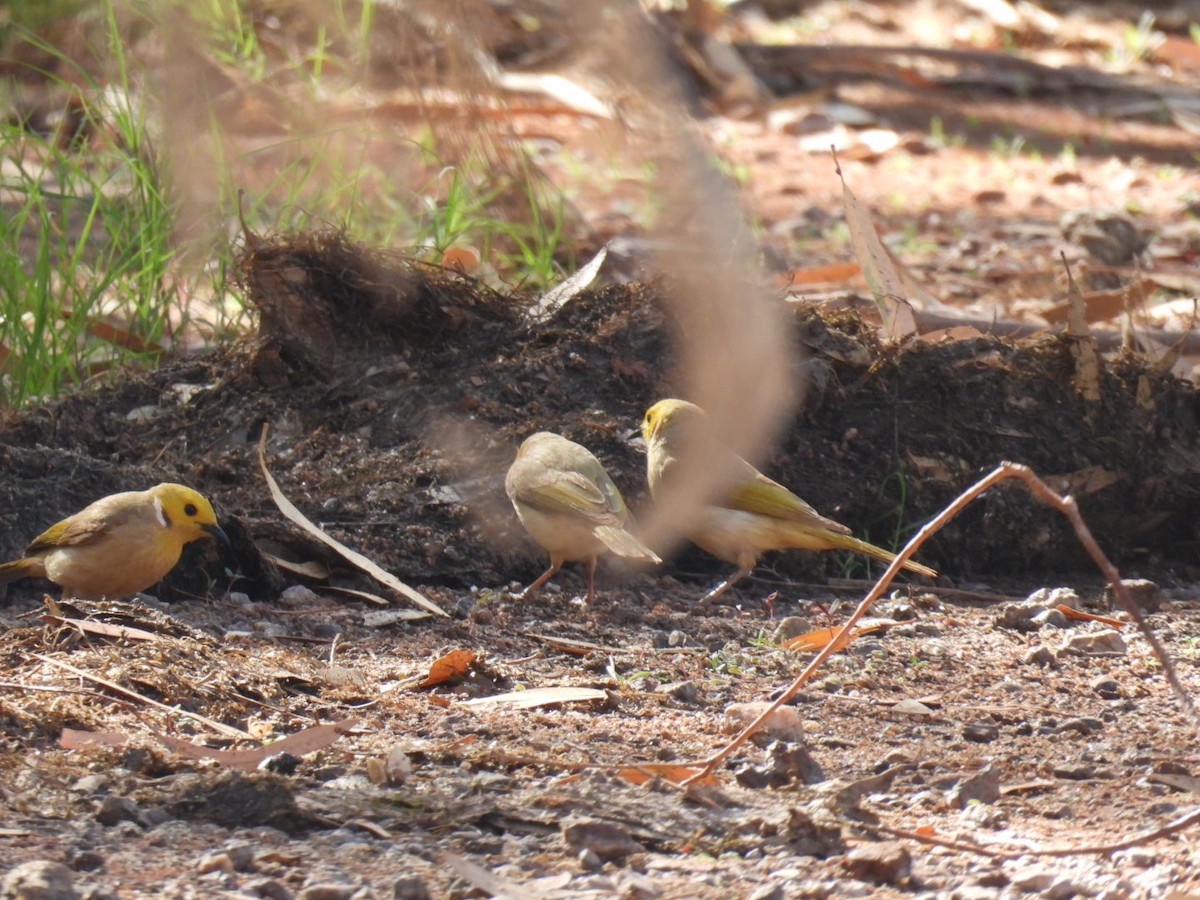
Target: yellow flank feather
(754, 513)
(569, 505)
(119, 545)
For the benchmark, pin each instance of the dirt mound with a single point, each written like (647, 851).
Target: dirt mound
(396, 394)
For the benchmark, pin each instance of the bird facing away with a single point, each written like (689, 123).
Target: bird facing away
(752, 514)
(119, 545)
(570, 506)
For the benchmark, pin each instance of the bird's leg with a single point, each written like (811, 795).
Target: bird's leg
(591, 572)
(725, 585)
(555, 565)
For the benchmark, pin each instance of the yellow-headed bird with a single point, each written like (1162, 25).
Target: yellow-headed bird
(119, 545)
(570, 506)
(752, 514)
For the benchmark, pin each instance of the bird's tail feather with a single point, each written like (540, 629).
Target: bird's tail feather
(19, 568)
(847, 542)
(622, 543)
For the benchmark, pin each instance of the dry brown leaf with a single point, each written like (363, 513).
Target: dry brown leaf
(877, 267)
(675, 774)
(369, 597)
(311, 569)
(375, 571)
(820, 637)
(73, 739)
(455, 664)
(302, 742)
(834, 273)
(1072, 613)
(535, 697)
(1102, 305)
(103, 629)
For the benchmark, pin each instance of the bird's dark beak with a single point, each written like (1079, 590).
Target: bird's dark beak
(215, 531)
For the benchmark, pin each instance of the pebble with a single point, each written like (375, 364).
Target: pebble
(785, 763)
(785, 723)
(790, 627)
(298, 596)
(769, 891)
(981, 732)
(1106, 641)
(410, 887)
(116, 809)
(982, 787)
(86, 861)
(683, 691)
(887, 862)
(1145, 594)
(1052, 617)
(268, 889)
(589, 861)
(38, 879)
(1048, 598)
(1040, 655)
(328, 891)
(606, 839)
(1074, 771)
(1081, 724)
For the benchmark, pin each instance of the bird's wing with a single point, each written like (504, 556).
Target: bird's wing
(757, 493)
(572, 494)
(68, 533)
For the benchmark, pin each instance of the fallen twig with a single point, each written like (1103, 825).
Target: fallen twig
(1065, 505)
(219, 727)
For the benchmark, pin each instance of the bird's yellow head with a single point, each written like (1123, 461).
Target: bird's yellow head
(669, 415)
(188, 513)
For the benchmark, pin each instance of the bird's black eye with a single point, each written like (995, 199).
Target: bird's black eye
(190, 509)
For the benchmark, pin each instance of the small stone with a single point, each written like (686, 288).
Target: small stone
(887, 862)
(1032, 880)
(1146, 595)
(589, 861)
(892, 758)
(90, 784)
(116, 809)
(683, 691)
(1048, 598)
(810, 832)
(981, 732)
(785, 763)
(606, 839)
(268, 889)
(784, 723)
(790, 627)
(769, 891)
(633, 885)
(298, 596)
(914, 708)
(214, 862)
(38, 879)
(1074, 771)
(86, 861)
(1106, 686)
(1108, 641)
(1040, 655)
(982, 787)
(410, 887)
(1052, 617)
(328, 891)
